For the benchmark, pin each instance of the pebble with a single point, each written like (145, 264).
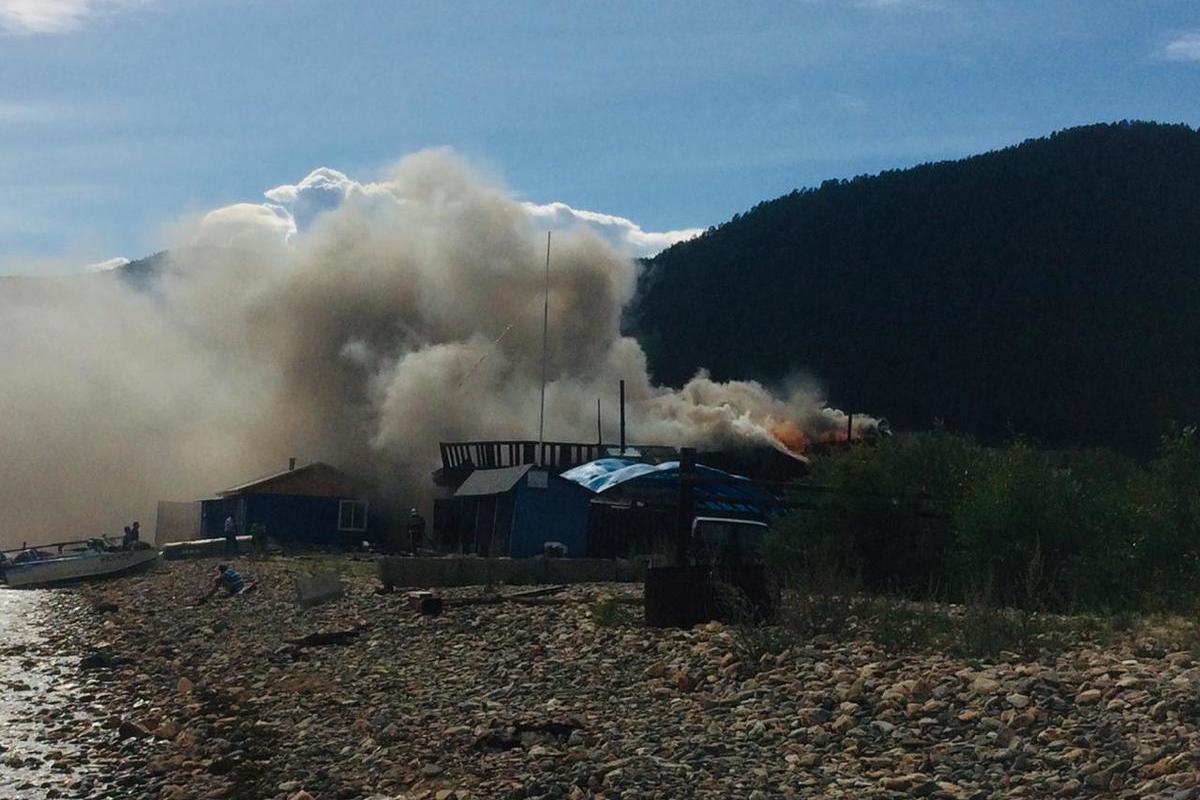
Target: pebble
(541, 702)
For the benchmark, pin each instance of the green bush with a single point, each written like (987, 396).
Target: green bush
(610, 612)
(901, 626)
(885, 520)
(1048, 532)
(937, 517)
(1166, 551)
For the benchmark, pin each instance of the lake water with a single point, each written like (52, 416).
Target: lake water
(36, 687)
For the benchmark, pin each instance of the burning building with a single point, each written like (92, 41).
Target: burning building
(511, 497)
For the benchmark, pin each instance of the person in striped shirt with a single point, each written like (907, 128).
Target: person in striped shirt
(231, 581)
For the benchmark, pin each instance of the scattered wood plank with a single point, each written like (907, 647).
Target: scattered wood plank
(527, 596)
(326, 638)
(536, 592)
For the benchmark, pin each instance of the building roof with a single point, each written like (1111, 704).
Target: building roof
(605, 473)
(259, 484)
(717, 491)
(492, 481)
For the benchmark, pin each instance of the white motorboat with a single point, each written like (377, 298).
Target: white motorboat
(52, 565)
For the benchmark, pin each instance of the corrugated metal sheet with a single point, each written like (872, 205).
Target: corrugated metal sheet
(492, 481)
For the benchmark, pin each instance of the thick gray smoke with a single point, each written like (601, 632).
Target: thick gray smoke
(398, 314)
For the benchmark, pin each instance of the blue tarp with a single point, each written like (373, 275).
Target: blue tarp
(605, 473)
(719, 492)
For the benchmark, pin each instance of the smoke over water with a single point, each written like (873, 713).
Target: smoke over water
(358, 324)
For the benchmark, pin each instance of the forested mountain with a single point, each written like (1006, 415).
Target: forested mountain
(1050, 289)
(142, 273)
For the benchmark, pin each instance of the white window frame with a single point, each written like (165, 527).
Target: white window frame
(365, 507)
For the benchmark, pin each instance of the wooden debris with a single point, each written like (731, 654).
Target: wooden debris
(529, 596)
(326, 638)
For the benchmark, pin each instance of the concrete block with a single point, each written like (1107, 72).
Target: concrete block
(319, 588)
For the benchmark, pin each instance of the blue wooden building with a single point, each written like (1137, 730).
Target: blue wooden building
(313, 505)
(513, 511)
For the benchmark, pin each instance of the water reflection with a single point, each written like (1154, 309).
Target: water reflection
(36, 690)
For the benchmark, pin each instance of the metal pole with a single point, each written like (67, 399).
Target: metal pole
(683, 529)
(622, 417)
(599, 430)
(545, 329)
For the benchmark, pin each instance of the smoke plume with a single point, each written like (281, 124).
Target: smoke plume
(358, 324)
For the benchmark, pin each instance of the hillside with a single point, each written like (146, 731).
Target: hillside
(1048, 289)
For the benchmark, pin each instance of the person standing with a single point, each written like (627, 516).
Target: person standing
(416, 530)
(231, 545)
(258, 533)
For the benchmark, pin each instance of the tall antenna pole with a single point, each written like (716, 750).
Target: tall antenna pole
(545, 329)
(622, 417)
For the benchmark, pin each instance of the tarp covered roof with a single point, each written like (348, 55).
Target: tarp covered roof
(718, 491)
(604, 473)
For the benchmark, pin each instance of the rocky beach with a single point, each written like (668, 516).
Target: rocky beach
(567, 696)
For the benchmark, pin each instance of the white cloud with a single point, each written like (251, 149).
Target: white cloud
(244, 225)
(624, 234)
(322, 181)
(55, 16)
(107, 264)
(1183, 48)
(324, 189)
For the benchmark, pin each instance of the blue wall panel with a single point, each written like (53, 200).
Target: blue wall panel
(296, 518)
(558, 513)
(288, 518)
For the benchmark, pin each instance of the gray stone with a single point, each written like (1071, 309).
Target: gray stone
(319, 588)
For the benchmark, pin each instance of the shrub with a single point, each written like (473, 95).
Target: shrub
(1166, 553)
(885, 520)
(901, 626)
(934, 516)
(1017, 528)
(753, 643)
(610, 612)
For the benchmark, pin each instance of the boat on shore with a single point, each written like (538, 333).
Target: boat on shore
(71, 562)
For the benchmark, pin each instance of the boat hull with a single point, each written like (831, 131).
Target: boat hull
(71, 569)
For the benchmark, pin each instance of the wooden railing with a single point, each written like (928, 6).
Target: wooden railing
(514, 453)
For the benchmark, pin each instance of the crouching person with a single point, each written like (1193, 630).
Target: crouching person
(231, 581)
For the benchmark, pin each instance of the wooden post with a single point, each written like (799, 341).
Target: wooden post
(545, 329)
(683, 529)
(849, 429)
(622, 417)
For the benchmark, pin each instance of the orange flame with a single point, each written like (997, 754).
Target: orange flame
(790, 437)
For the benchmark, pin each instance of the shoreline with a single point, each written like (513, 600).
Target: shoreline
(561, 700)
(45, 710)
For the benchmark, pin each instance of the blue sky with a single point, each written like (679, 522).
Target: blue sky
(117, 117)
